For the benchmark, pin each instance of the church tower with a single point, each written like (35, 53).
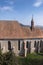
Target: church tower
(32, 24)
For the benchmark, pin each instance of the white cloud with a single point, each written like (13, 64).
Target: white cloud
(38, 3)
(10, 2)
(7, 8)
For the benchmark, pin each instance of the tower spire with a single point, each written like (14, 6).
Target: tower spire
(32, 23)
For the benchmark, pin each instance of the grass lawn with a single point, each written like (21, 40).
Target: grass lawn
(38, 56)
(31, 59)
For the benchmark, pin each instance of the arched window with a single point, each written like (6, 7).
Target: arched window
(27, 44)
(18, 44)
(0, 45)
(23, 45)
(9, 45)
(41, 43)
(35, 44)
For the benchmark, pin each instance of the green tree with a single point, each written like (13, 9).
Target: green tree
(1, 57)
(10, 58)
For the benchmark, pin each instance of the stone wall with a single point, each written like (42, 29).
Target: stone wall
(25, 50)
(14, 46)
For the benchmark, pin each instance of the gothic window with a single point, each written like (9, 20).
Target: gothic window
(0, 45)
(41, 42)
(23, 45)
(38, 44)
(9, 45)
(27, 44)
(18, 44)
(35, 44)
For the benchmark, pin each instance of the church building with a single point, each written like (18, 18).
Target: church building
(21, 39)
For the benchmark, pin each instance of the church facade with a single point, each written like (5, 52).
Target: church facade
(22, 40)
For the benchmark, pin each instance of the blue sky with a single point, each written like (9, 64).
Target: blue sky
(22, 11)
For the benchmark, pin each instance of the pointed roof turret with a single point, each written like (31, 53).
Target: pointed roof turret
(32, 23)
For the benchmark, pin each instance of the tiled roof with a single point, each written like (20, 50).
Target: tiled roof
(13, 30)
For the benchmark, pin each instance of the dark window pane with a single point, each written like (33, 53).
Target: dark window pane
(41, 42)
(35, 44)
(9, 45)
(0, 45)
(38, 44)
(27, 44)
(23, 45)
(19, 45)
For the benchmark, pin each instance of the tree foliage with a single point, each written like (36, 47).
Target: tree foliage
(9, 58)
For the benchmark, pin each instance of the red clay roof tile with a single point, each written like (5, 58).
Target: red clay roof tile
(13, 30)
